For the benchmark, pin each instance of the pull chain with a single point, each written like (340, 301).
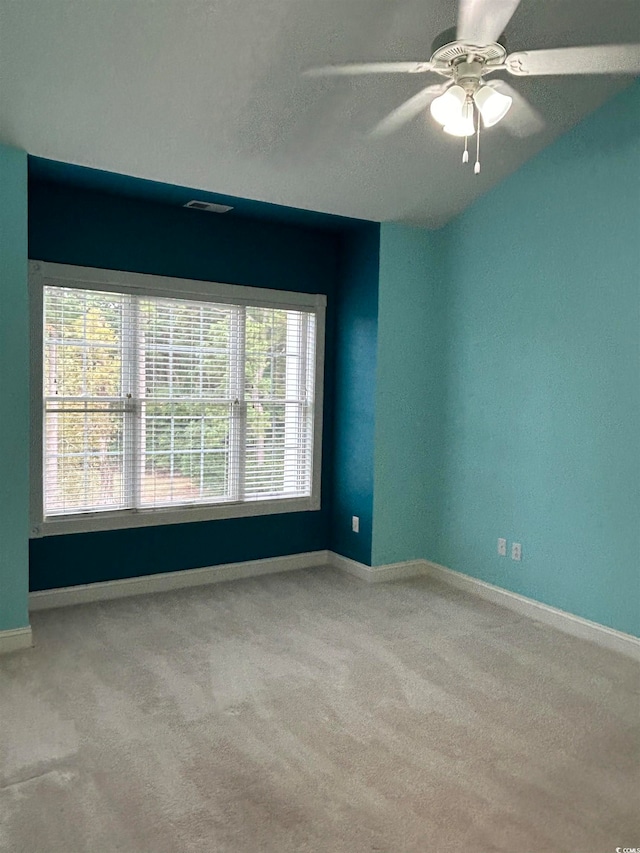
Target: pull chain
(465, 154)
(476, 168)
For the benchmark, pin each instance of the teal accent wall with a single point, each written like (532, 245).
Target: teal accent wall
(88, 218)
(14, 391)
(78, 225)
(543, 375)
(355, 345)
(532, 358)
(409, 394)
(52, 172)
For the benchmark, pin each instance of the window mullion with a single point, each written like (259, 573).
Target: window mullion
(304, 397)
(238, 426)
(133, 424)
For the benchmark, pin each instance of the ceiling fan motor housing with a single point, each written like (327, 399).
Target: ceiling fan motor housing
(462, 60)
(467, 73)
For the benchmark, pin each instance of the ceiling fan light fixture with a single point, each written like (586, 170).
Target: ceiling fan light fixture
(448, 108)
(493, 105)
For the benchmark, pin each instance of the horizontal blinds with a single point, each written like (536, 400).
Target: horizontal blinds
(85, 401)
(279, 399)
(184, 386)
(154, 402)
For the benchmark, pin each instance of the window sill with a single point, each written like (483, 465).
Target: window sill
(127, 519)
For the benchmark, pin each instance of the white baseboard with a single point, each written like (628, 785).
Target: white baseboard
(566, 622)
(104, 591)
(377, 574)
(16, 638)
(606, 637)
(561, 620)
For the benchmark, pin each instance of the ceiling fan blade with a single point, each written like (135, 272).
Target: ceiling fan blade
(369, 68)
(407, 111)
(522, 119)
(600, 59)
(483, 21)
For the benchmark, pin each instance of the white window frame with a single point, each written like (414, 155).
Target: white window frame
(43, 273)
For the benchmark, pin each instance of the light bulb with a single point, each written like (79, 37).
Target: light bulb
(493, 105)
(463, 126)
(448, 107)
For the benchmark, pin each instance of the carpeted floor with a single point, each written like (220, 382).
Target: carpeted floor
(310, 711)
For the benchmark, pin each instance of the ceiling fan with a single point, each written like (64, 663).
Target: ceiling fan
(466, 55)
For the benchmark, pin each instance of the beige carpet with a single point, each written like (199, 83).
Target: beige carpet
(311, 712)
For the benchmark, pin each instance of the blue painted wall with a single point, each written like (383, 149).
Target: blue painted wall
(543, 375)
(355, 345)
(46, 171)
(76, 225)
(410, 396)
(89, 228)
(14, 390)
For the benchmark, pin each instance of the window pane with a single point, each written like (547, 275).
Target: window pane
(83, 434)
(83, 459)
(186, 357)
(279, 391)
(185, 452)
(186, 349)
(278, 455)
(83, 343)
(267, 352)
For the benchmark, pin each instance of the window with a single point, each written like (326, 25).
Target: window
(162, 400)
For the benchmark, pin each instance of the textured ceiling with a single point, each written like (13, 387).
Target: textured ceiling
(208, 94)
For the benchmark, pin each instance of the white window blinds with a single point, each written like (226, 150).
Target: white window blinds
(159, 402)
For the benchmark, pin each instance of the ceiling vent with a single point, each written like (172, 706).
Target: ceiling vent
(210, 206)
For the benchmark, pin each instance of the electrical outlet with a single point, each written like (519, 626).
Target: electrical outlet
(516, 551)
(502, 547)
(355, 524)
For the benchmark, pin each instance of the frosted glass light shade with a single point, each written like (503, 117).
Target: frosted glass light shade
(493, 105)
(448, 107)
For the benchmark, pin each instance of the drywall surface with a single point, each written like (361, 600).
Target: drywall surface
(14, 390)
(355, 398)
(410, 394)
(542, 422)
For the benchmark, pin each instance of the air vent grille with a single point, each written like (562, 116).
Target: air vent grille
(209, 206)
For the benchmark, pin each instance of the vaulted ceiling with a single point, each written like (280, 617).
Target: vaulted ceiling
(209, 94)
